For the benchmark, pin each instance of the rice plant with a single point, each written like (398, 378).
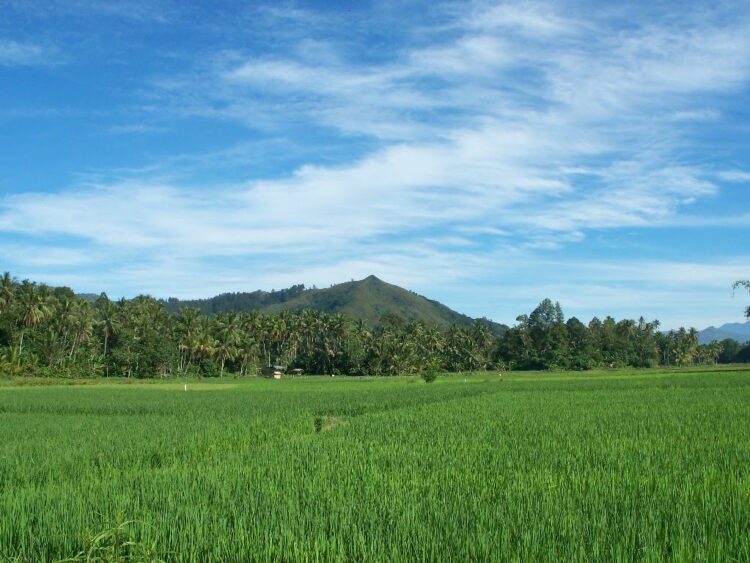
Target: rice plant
(648, 465)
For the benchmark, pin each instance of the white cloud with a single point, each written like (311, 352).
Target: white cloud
(528, 18)
(675, 292)
(519, 130)
(135, 129)
(738, 176)
(696, 115)
(13, 53)
(46, 256)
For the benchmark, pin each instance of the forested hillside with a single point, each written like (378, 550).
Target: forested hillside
(47, 331)
(371, 300)
(237, 302)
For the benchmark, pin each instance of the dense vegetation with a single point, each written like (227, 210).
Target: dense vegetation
(238, 301)
(615, 466)
(369, 300)
(50, 331)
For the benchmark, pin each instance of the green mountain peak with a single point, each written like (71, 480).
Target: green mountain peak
(371, 299)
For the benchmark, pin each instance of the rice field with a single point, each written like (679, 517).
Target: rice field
(648, 465)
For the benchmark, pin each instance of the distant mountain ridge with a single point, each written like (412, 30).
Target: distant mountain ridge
(371, 300)
(736, 331)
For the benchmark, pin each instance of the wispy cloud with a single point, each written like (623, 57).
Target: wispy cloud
(675, 292)
(13, 53)
(140, 10)
(530, 19)
(738, 176)
(509, 129)
(135, 129)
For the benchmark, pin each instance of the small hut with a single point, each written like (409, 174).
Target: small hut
(274, 371)
(297, 371)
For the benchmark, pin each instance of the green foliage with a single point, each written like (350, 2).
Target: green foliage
(370, 300)
(239, 302)
(607, 466)
(116, 544)
(543, 340)
(430, 375)
(10, 364)
(49, 332)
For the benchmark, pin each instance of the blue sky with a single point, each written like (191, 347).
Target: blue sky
(485, 154)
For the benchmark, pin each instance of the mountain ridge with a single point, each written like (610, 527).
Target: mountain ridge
(735, 331)
(371, 299)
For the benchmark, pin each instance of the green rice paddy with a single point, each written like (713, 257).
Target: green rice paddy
(647, 465)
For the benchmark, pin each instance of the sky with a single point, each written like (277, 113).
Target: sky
(484, 154)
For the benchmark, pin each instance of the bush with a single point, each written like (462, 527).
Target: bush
(430, 375)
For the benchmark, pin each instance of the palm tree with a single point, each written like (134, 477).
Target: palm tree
(35, 306)
(203, 345)
(277, 334)
(266, 331)
(362, 343)
(65, 320)
(228, 329)
(187, 324)
(714, 351)
(83, 327)
(7, 290)
(10, 362)
(247, 352)
(109, 324)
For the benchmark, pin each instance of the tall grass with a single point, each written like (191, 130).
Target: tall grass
(636, 466)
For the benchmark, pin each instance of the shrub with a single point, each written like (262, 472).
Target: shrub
(430, 375)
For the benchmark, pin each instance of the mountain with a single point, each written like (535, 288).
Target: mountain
(736, 331)
(370, 299)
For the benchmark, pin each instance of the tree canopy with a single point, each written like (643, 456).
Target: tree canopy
(47, 331)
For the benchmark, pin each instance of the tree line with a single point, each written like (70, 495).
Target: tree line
(48, 331)
(242, 301)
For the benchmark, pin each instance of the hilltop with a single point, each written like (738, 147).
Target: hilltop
(735, 331)
(371, 300)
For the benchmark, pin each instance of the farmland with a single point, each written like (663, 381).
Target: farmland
(647, 465)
